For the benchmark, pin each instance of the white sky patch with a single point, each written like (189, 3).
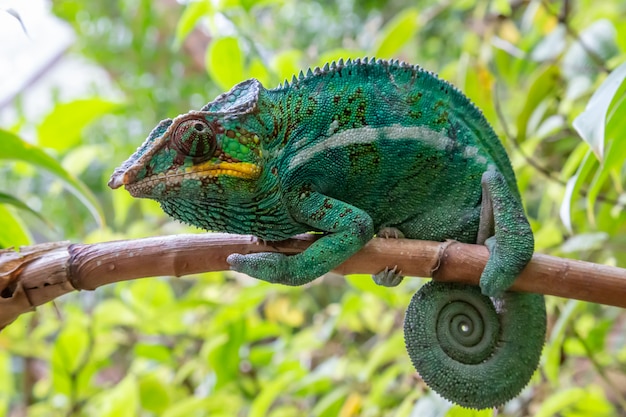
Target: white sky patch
(22, 53)
(36, 66)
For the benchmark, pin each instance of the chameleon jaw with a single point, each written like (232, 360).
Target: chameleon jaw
(144, 187)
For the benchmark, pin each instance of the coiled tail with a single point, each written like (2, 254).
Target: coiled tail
(477, 352)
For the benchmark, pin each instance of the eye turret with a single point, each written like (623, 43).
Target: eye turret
(194, 138)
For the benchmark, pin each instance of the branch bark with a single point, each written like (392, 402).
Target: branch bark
(40, 273)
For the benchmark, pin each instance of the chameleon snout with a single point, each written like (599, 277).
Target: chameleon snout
(118, 179)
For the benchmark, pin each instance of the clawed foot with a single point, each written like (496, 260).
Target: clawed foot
(495, 281)
(390, 233)
(267, 266)
(274, 267)
(388, 277)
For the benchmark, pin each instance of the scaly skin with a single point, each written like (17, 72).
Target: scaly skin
(349, 150)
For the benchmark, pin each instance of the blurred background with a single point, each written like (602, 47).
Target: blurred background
(82, 84)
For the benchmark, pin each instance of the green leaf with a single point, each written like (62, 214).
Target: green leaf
(63, 127)
(223, 355)
(541, 88)
(153, 392)
(406, 406)
(615, 132)
(69, 354)
(382, 353)
(585, 242)
(548, 235)
(224, 62)
(7, 381)
(336, 54)
(385, 378)
(397, 33)
(194, 11)
(258, 70)
(458, 411)
(271, 390)
(15, 202)
(591, 123)
(550, 46)
(15, 148)
(589, 401)
(154, 352)
(78, 160)
(597, 39)
(573, 186)
(600, 177)
(120, 401)
(150, 294)
(70, 348)
(478, 86)
(286, 64)
(12, 231)
(329, 405)
(222, 404)
(4, 405)
(113, 312)
(502, 7)
(574, 160)
(551, 358)
(188, 406)
(364, 282)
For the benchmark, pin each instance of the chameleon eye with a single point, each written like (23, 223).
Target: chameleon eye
(194, 138)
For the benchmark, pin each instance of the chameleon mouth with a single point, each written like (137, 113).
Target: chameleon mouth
(167, 180)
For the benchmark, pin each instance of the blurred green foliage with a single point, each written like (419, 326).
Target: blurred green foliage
(550, 77)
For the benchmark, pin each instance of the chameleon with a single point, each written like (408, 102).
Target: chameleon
(352, 150)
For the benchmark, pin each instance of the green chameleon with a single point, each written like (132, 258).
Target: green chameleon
(353, 150)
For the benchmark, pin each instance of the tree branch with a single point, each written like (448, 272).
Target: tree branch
(40, 273)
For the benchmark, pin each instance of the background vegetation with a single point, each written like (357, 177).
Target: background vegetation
(547, 74)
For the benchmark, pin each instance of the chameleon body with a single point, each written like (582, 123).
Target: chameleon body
(350, 150)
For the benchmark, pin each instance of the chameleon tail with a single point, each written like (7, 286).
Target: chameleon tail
(475, 353)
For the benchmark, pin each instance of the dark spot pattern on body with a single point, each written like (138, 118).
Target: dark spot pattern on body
(443, 118)
(415, 114)
(413, 99)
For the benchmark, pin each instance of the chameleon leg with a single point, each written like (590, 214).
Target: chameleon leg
(349, 229)
(512, 245)
(468, 350)
(389, 277)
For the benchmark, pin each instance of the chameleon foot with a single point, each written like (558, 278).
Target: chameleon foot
(388, 277)
(273, 267)
(473, 353)
(267, 266)
(390, 233)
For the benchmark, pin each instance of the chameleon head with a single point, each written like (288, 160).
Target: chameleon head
(197, 156)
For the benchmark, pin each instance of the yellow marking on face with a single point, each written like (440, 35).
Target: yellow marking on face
(244, 170)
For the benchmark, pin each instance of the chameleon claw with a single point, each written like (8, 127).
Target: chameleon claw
(390, 233)
(388, 277)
